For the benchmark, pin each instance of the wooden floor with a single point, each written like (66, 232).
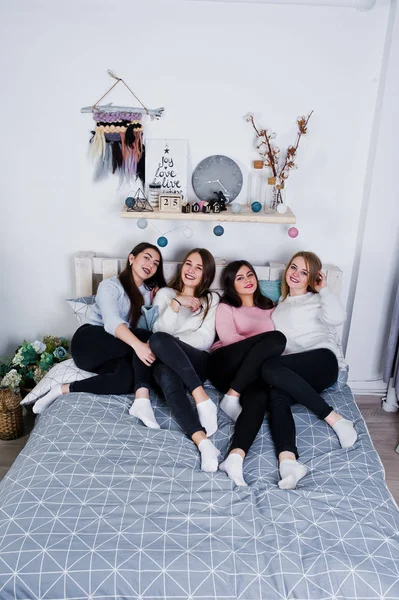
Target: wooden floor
(384, 432)
(383, 428)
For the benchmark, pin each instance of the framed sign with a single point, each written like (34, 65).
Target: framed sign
(166, 164)
(170, 202)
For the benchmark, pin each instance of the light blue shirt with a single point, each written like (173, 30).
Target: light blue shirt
(112, 305)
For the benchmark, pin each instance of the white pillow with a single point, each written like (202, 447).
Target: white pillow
(63, 372)
(81, 307)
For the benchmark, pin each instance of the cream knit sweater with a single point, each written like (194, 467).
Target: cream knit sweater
(309, 322)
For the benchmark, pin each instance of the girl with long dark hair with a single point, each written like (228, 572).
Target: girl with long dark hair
(183, 334)
(307, 316)
(110, 343)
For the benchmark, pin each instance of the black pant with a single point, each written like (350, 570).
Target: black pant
(290, 379)
(178, 367)
(297, 378)
(238, 365)
(254, 402)
(119, 369)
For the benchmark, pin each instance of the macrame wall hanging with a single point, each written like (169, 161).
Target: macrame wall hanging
(117, 144)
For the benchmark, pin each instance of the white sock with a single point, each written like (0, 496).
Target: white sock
(209, 456)
(231, 406)
(346, 432)
(47, 399)
(233, 467)
(291, 471)
(208, 416)
(142, 409)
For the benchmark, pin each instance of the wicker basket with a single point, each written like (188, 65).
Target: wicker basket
(11, 422)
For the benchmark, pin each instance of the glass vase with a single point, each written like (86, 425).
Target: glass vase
(275, 197)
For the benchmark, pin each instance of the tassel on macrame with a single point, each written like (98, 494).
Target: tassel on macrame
(117, 142)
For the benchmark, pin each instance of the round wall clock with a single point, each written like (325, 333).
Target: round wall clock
(217, 173)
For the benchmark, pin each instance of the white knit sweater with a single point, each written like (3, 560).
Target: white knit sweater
(185, 325)
(309, 322)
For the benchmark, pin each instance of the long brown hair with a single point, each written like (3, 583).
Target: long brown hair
(202, 290)
(230, 295)
(313, 266)
(130, 287)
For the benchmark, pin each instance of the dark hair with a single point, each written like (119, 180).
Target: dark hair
(313, 266)
(130, 287)
(202, 290)
(230, 295)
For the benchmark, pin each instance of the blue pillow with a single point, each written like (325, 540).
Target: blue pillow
(271, 289)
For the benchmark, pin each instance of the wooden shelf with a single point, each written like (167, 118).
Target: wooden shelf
(227, 215)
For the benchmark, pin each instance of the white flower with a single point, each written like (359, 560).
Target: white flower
(11, 380)
(38, 346)
(248, 117)
(17, 360)
(272, 135)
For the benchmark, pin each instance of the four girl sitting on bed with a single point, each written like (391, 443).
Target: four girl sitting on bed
(265, 357)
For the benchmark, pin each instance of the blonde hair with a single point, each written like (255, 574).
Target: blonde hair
(313, 266)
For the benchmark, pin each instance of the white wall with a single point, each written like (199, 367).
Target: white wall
(376, 275)
(208, 64)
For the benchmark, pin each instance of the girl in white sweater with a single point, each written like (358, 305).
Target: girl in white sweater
(183, 334)
(307, 314)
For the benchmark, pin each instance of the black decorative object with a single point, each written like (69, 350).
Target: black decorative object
(221, 198)
(206, 207)
(139, 203)
(195, 207)
(185, 208)
(215, 206)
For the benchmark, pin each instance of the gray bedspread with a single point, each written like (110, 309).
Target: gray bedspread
(99, 507)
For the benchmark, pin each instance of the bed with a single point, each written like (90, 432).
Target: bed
(96, 506)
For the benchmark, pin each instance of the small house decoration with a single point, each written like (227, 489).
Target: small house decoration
(185, 208)
(215, 206)
(195, 207)
(206, 208)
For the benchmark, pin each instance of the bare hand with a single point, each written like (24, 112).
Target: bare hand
(144, 353)
(189, 302)
(321, 282)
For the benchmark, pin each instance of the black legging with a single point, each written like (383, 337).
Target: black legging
(297, 378)
(238, 365)
(178, 367)
(254, 402)
(303, 375)
(119, 369)
(292, 378)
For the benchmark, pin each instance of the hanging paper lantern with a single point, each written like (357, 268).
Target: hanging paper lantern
(293, 232)
(218, 230)
(256, 206)
(142, 223)
(162, 241)
(188, 232)
(130, 201)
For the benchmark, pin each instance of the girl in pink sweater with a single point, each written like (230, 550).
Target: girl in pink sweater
(246, 364)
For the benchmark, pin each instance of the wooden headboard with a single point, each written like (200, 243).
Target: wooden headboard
(91, 269)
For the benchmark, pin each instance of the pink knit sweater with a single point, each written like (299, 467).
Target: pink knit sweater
(236, 324)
